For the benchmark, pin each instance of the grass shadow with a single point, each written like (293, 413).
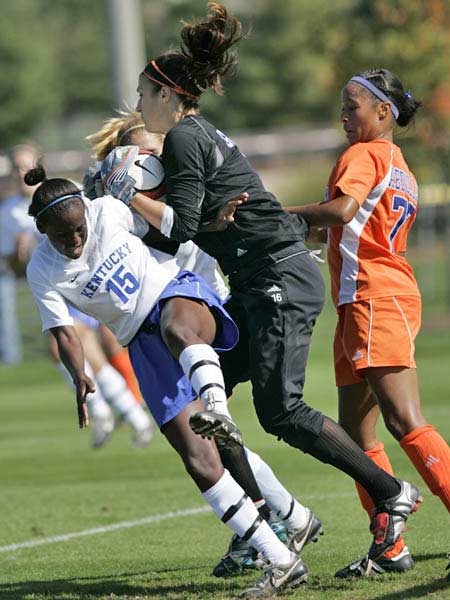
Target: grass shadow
(116, 585)
(417, 591)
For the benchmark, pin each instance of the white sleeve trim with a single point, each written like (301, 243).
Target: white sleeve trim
(167, 221)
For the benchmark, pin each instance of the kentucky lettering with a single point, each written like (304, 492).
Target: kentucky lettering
(102, 271)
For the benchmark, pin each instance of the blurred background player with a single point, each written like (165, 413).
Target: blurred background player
(112, 396)
(18, 237)
(371, 204)
(295, 524)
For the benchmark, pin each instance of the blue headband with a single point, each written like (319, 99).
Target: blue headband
(56, 201)
(376, 92)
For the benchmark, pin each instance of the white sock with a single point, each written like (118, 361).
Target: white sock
(116, 392)
(201, 365)
(97, 406)
(234, 508)
(281, 502)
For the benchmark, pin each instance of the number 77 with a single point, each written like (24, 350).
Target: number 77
(399, 203)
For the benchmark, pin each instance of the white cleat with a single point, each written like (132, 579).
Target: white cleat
(143, 437)
(102, 428)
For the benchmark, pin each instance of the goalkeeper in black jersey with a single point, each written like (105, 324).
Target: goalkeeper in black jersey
(277, 290)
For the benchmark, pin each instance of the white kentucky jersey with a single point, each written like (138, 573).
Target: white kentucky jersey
(190, 258)
(117, 279)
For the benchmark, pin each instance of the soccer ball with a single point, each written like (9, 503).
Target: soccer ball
(148, 172)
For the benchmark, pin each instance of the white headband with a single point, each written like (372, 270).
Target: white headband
(376, 92)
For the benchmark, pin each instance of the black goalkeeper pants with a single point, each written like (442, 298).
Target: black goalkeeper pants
(275, 304)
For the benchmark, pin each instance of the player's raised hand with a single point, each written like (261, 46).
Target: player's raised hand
(83, 386)
(114, 173)
(92, 182)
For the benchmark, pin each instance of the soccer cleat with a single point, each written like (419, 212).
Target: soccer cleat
(102, 428)
(142, 437)
(365, 567)
(298, 538)
(278, 578)
(241, 556)
(447, 568)
(390, 516)
(210, 424)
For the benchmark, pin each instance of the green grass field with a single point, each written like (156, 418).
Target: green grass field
(52, 484)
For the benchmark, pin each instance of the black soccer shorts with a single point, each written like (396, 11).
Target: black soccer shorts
(275, 304)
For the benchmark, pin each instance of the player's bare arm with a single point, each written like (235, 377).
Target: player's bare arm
(72, 355)
(338, 211)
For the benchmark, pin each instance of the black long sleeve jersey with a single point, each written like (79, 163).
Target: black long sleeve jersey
(204, 169)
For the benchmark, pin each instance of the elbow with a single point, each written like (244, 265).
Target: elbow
(184, 236)
(347, 210)
(345, 218)
(182, 233)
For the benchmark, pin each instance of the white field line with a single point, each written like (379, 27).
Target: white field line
(113, 527)
(65, 537)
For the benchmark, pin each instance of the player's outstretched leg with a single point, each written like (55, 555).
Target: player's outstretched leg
(394, 499)
(294, 524)
(231, 504)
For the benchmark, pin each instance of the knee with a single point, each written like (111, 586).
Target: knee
(175, 335)
(296, 429)
(396, 426)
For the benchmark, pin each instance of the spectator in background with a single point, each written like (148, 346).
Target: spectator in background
(18, 237)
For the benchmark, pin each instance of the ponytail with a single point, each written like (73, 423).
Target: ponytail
(204, 57)
(47, 202)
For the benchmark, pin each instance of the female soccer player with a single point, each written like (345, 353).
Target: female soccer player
(93, 259)
(370, 207)
(277, 290)
(293, 522)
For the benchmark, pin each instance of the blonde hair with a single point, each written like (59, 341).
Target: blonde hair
(116, 131)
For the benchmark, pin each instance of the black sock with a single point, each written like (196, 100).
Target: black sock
(235, 460)
(335, 447)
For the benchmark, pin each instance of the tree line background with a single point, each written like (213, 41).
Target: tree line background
(297, 55)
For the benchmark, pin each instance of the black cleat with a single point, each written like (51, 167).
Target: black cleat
(298, 538)
(240, 556)
(364, 567)
(277, 579)
(215, 425)
(390, 517)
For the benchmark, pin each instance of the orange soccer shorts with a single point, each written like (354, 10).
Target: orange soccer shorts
(379, 332)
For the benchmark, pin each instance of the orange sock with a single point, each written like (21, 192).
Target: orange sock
(121, 362)
(430, 454)
(380, 458)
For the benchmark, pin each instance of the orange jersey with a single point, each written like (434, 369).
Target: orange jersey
(363, 255)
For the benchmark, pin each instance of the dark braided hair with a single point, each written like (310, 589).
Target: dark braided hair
(49, 190)
(390, 85)
(204, 56)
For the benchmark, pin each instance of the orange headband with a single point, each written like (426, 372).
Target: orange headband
(174, 86)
